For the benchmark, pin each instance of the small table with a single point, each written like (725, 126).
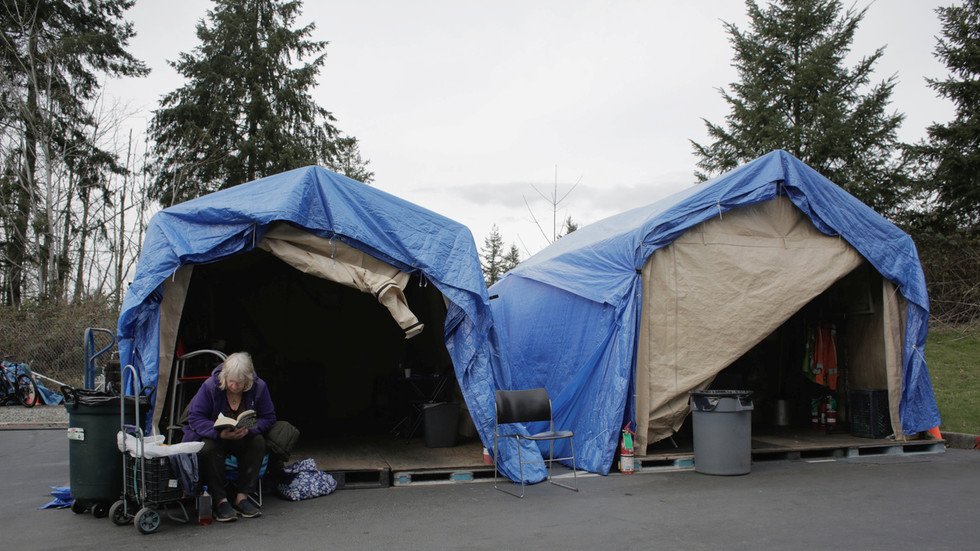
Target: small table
(418, 390)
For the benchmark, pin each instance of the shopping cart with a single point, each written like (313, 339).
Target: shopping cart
(149, 485)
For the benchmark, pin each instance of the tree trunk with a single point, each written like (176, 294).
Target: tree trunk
(120, 243)
(83, 194)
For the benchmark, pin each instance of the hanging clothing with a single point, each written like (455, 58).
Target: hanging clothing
(820, 364)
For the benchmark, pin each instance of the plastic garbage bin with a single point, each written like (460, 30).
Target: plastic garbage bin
(722, 431)
(94, 460)
(440, 420)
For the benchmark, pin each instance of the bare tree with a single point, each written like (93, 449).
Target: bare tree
(52, 54)
(554, 201)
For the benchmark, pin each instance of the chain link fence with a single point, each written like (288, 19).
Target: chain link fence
(49, 337)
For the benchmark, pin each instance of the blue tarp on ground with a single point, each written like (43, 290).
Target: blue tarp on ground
(400, 233)
(583, 296)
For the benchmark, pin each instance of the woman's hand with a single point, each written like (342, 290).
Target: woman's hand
(233, 434)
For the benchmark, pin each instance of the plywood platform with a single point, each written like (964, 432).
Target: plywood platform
(383, 460)
(385, 452)
(774, 443)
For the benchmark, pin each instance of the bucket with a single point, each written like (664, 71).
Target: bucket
(780, 417)
(441, 419)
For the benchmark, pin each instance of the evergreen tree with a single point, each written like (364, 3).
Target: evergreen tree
(510, 260)
(246, 110)
(951, 154)
(349, 162)
(53, 55)
(795, 93)
(491, 256)
(569, 226)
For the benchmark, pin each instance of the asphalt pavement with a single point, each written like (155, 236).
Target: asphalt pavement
(921, 501)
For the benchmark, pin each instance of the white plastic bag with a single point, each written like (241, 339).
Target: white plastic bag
(153, 446)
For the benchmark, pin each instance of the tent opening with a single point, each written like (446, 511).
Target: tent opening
(732, 303)
(334, 357)
(778, 368)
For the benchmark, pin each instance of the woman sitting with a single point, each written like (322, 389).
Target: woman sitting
(232, 389)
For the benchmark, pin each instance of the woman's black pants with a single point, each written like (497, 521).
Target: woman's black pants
(211, 462)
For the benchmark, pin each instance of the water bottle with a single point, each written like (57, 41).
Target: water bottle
(204, 516)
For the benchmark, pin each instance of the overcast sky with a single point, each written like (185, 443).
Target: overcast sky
(461, 106)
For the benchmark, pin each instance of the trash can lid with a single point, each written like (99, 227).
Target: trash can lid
(86, 397)
(722, 401)
(722, 393)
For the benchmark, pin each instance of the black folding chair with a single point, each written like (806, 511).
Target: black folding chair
(525, 406)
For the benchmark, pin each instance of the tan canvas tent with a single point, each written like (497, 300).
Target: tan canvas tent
(720, 286)
(727, 284)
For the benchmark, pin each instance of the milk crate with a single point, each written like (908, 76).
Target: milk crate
(869, 413)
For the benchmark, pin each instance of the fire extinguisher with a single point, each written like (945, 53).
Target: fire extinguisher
(626, 465)
(823, 413)
(831, 423)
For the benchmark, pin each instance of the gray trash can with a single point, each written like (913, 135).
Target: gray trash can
(722, 431)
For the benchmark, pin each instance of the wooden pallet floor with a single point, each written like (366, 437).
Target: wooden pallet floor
(382, 461)
(797, 442)
(387, 452)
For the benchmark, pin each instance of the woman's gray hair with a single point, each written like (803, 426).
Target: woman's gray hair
(238, 367)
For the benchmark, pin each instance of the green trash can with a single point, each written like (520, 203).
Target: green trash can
(94, 460)
(722, 431)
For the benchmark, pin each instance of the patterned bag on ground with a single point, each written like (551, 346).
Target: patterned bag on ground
(302, 480)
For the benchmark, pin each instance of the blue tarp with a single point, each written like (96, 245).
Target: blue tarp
(405, 235)
(568, 317)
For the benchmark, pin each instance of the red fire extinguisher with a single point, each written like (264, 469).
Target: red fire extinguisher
(626, 465)
(831, 423)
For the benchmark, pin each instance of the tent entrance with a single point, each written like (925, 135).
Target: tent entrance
(334, 357)
(727, 286)
(776, 369)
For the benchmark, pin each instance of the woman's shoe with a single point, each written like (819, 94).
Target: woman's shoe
(225, 512)
(247, 508)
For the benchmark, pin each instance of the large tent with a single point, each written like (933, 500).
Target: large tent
(620, 319)
(315, 274)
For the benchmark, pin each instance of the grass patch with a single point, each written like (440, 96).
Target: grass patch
(953, 357)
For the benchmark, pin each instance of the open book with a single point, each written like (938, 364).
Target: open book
(246, 420)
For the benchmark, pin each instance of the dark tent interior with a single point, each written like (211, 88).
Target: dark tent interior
(333, 357)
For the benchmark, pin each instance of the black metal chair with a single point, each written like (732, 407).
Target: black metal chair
(525, 406)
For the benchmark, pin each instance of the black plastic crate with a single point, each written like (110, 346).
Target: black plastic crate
(161, 484)
(869, 413)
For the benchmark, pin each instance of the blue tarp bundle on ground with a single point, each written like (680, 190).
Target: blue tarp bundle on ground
(323, 203)
(588, 283)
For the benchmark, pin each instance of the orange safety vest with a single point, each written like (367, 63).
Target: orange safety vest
(825, 357)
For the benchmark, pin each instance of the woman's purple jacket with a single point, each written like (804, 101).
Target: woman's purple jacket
(210, 400)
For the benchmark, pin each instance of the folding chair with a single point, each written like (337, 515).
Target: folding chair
(231, 475)
(525, 406)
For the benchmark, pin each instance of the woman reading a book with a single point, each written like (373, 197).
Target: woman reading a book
(230, 413)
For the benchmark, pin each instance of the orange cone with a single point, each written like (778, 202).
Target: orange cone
(934, 432)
